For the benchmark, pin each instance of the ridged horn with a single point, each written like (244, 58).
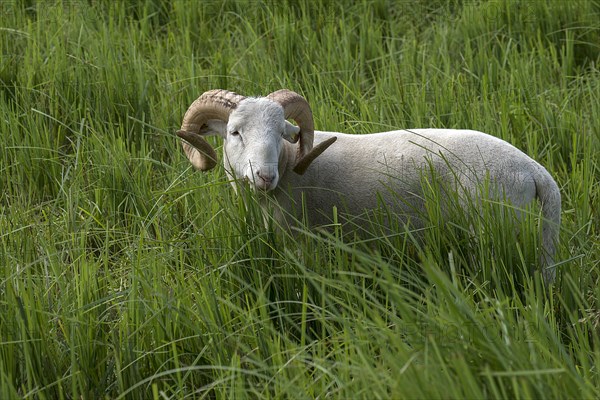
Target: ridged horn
(214, 104)
(303, 164)
(297, 108)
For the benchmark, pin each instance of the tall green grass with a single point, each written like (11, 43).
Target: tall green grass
(123, 274)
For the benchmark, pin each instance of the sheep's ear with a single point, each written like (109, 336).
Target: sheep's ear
(303, 164)
(214, 127)
(291, 132)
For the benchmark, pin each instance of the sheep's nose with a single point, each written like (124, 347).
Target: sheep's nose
(267, 176)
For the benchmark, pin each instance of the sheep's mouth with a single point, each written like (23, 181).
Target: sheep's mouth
(260, 185)
(263, 185)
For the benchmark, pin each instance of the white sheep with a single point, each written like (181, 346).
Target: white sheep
(355, 172)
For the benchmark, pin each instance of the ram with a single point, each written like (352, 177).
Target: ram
(297, 165)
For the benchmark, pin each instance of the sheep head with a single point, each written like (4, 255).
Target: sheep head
(254, 130)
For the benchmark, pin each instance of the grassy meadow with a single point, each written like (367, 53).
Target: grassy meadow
(125, 274)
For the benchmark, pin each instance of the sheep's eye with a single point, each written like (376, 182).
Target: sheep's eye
(235, 133)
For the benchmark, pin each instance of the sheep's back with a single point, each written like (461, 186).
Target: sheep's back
(359, 171)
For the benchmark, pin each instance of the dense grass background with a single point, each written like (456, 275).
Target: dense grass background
(124, 274)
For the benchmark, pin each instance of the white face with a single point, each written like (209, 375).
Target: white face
(254, 140)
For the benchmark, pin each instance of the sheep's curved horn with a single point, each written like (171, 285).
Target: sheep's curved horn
(297, 108)
(303, 164)
(214, 104)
